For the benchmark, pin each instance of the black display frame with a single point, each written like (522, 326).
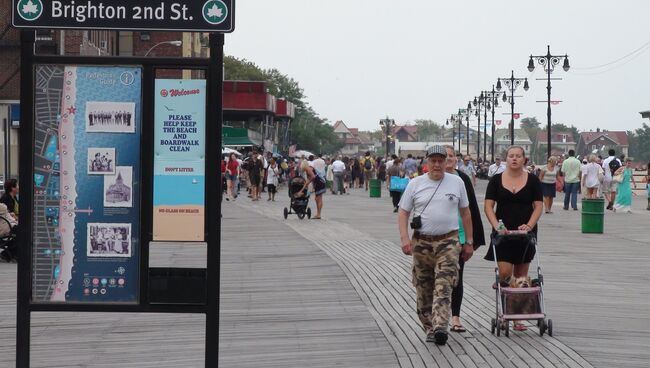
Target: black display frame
(208, 301)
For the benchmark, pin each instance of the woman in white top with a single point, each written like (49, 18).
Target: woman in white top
(272, 179)
(548, 175)
(591, 174)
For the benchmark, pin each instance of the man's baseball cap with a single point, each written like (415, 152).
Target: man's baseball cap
(437, 150)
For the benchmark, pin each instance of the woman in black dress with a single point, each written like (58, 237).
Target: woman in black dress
(518, 198)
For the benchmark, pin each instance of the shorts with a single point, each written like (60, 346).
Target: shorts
(256, 180)
(319, 186)
(271, 188)
(548, 190)
(609, 186)
(232, 178)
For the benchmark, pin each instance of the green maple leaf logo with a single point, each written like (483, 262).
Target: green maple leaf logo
(30, 7)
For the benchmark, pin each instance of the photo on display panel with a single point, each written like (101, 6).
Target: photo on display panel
(108, 240)
(117, 188)
(101, 161)
(110, 117)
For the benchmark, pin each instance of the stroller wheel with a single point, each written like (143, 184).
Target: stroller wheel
(549, 326)
(507, 328)
(286, 213)
(542, 328)
(301, 215)
(493, 326)
(498, 328)
(308, 213)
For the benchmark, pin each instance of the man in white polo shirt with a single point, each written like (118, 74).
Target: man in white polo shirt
(435, 200)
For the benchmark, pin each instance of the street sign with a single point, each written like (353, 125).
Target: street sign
(163, 15)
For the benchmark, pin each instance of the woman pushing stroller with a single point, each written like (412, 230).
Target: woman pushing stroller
(518, 199)
(319, 187)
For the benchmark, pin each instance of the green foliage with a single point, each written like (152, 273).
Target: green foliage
(428, 130)
(640, 143)
(308, 130)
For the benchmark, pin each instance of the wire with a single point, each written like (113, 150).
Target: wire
(639, 50)
(613, 67)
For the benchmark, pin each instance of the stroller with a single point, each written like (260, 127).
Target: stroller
(515, 304)
(299, 203)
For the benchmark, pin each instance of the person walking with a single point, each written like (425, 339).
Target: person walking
(548, 175)
(436, 199)
(468, 168)
(338, 170)
(319, 164)
(571, 172)
(232, 176)
(255, 174)
(272, 175)
(477, 231)
(610, 165)
(624, 197)
(517, 196)
(318, 183)
(591, 173)
(356, 174)
(395, 172)
(369, 169)
(496, 168)
(410, 166)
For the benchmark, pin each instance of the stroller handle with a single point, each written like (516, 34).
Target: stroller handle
(515, 234)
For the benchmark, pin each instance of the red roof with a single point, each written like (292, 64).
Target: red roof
(247, 96)
(352, 140)
(618, 137)
(354, 131)
(555, 137)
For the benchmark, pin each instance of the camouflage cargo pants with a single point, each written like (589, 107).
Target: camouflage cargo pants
(435, 274)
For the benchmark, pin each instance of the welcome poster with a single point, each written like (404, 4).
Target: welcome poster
(179, 165)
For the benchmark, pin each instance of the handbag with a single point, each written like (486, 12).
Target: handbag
(601, 174)
(618, 178)
(398, 184)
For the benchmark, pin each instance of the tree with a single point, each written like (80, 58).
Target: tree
(308, 130)
(428, 130)
(531, 126)
(639, 141)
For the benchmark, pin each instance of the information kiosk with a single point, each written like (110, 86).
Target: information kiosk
(112, 159)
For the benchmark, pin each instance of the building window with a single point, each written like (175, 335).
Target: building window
(593, 147)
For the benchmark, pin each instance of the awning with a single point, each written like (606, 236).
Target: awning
(235, 137)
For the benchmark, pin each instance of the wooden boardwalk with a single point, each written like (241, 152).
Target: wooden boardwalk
(337, 292)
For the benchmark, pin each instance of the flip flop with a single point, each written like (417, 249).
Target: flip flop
(315, 218)
(457, 328)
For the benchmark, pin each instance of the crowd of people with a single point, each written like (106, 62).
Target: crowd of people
(9, 211)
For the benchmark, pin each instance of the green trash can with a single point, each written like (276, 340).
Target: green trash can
(374, 187)
(593, 216)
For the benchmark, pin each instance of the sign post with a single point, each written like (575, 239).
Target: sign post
(87, 164)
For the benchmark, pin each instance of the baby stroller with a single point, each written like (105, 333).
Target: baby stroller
(522, 303)
(299, 203)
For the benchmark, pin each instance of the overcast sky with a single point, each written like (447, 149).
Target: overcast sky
(362, 60)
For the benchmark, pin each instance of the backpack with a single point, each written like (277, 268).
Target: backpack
(614, 165)
(367, 164)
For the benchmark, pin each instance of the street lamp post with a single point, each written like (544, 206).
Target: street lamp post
(512, 83)
(455, 118)
(548, 62)
(173, 43)
(476, 112)
(387, 124)
(478, 102)
(493, 102)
